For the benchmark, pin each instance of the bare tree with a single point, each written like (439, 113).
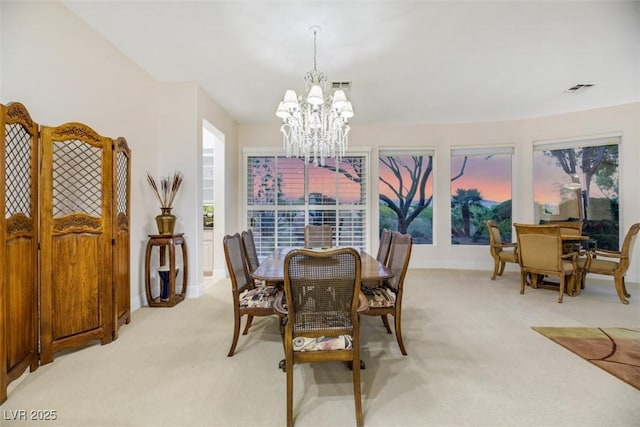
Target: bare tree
(411, 193)
(589, 158)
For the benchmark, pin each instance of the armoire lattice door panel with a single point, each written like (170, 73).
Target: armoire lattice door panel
(121, 248)
(18, 244)
(76, 199)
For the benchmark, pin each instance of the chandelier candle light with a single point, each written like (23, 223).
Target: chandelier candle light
(315, 127)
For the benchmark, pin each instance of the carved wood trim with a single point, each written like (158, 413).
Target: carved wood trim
(18, 113)
(19, 223)
(78, 222)
(75, 130)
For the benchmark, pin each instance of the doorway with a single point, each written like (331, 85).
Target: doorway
(213, 187)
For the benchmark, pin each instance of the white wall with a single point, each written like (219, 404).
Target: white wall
(521, 134)
(63, 71)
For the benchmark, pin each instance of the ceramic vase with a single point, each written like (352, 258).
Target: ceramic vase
(165, 284)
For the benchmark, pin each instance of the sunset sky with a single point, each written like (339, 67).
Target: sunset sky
(490, 175)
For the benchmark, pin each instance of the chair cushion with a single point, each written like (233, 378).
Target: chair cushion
(602, 266)
(341, 342)
(379, 297)
(258, 297)
(508, 256)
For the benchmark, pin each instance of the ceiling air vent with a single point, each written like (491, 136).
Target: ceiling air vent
(341, 85)
(579, 88)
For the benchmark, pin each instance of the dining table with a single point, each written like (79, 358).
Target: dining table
(271, 270)
(574, 242)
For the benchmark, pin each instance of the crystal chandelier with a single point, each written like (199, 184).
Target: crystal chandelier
(315, 127)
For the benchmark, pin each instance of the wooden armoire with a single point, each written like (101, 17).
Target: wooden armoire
(64, 240)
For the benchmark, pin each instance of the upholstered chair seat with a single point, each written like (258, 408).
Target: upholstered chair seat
(258, 297)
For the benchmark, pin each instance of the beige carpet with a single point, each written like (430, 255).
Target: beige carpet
(616, 350)
(473, 361)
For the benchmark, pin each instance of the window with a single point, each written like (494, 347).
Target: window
(480, 190)
(284, 194)
(406, 193)
(579, 180)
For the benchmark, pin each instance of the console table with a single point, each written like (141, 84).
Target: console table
(166, 244)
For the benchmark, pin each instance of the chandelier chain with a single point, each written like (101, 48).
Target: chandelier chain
(315, 49)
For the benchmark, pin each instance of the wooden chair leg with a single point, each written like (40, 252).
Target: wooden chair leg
(561, 290)
(289, 369)
(534, 280)
(248, 324)
(624, 288)
(620, 289)
(496, 267)
(502, 264)
(385, 320)
(523, 280)
(570, 284)
(236, 334)
(356, 391)
(398, 319)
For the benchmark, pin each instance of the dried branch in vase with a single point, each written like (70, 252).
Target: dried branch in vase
(169, 186)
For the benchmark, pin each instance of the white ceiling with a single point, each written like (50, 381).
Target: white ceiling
(409, 62)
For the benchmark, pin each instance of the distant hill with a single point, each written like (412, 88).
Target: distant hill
(486, 203)
(489, 203)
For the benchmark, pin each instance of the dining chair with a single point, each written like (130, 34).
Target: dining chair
(383, 254)
(322, 296)
(541, 254)
(248, 299)
(386, 298)
(385, 246)
(614, 263)
(567, 227)
(318, 236)
(251, 254)
(501, 252)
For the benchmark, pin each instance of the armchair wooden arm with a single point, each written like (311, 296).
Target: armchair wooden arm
(279, 304)
(607, 253)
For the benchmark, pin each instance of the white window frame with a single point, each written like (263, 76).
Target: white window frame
(403, 152)
(485, 150)
(306, 207)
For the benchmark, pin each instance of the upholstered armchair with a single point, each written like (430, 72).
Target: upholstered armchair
(501, 253)
(614, 263)
(540, 253)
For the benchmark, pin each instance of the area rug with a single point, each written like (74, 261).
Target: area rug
(616, 350)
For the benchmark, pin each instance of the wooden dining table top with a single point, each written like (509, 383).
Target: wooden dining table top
(574, 238)
(272, 268)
